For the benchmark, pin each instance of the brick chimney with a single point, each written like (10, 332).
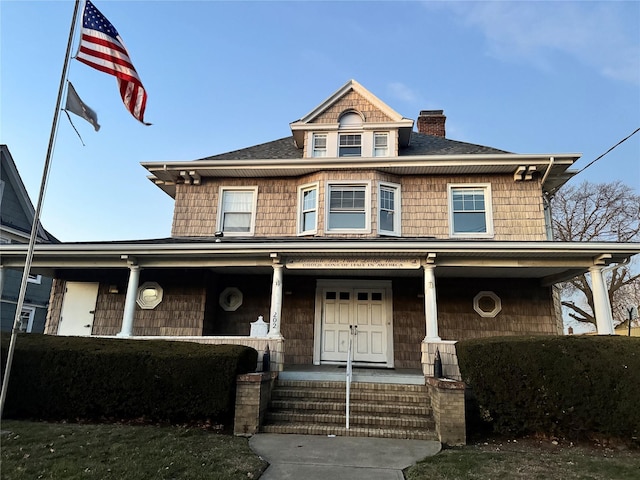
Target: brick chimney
(431, 122)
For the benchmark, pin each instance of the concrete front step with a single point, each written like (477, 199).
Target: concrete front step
(300, 406)
(371, 421)
(409, 434)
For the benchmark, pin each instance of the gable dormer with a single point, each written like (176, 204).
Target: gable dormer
(352, 123)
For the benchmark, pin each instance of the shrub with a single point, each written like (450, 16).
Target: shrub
(70, 378)
(564, 386)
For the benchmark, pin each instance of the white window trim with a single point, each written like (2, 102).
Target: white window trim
(373, 150)
(397, 213)
(488, 210)
(316, 136)
(252, 225)
(367, 206)
(32, 317)
(358, 133)
(301, 189)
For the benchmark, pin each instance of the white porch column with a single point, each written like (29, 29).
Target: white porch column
(430, 305)
(130, 302)
(601, 305)
(276, 301)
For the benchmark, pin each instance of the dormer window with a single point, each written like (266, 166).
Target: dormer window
(381, 144)
(350, 120)
(350, 145)
(319, 144)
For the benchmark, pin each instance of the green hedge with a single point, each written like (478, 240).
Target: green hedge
(82, 378)
(565, 386)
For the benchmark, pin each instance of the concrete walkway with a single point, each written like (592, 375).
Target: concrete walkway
(317, 457)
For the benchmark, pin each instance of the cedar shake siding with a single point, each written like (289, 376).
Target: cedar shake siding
(188, 309)
(518, 212)
(352, 101)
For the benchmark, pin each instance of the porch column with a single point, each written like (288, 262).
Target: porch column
(601, 305)
(130, 302)
(430, 305)
(276, 301)
(2, 273)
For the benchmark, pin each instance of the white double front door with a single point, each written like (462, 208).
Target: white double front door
(359, 311)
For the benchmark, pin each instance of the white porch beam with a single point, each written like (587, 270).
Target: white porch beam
(601, 305)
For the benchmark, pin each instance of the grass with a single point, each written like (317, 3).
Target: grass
(64, 451)
(529, 459)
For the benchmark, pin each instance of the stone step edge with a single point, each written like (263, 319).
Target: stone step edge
(333, 419)
(354, 385)
(352, 432)
(329, 395)
(364, 407)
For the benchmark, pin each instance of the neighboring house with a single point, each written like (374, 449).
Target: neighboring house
(16, 219)
(354, 226)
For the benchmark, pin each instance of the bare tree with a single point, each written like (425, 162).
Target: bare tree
(599, 212)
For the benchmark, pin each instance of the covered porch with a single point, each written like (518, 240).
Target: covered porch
(437, 292)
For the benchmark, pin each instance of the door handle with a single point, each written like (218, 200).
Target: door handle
(87, 326)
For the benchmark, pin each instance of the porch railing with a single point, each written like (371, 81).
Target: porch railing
(353, 330)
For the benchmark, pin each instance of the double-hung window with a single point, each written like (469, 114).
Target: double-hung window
(308, 209)
(380, 144)
(237, 210)
(389, 209)
(350, 145)
(470, 211)
(319, 145)
(348, 207)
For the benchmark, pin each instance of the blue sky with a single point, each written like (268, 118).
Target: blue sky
(527, 77)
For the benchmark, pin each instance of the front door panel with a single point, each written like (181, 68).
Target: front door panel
(78, 308)
(361, 308)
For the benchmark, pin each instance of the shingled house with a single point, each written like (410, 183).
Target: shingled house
(355, 226)
(16, 219)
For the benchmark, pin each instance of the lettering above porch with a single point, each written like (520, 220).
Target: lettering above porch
(350, 262)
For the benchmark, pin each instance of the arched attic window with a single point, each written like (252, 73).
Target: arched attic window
(350, 144)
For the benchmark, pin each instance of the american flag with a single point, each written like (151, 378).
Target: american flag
(102, 48)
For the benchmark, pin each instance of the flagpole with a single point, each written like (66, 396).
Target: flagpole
(36, 216)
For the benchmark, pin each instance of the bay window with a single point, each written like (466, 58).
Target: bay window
(348, 208)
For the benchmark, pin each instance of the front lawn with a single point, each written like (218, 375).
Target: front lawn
(530, 459)
(65, 451)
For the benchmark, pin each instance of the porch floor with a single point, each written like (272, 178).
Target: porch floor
(337, 373)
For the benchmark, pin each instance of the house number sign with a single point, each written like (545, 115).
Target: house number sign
(347, 263)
